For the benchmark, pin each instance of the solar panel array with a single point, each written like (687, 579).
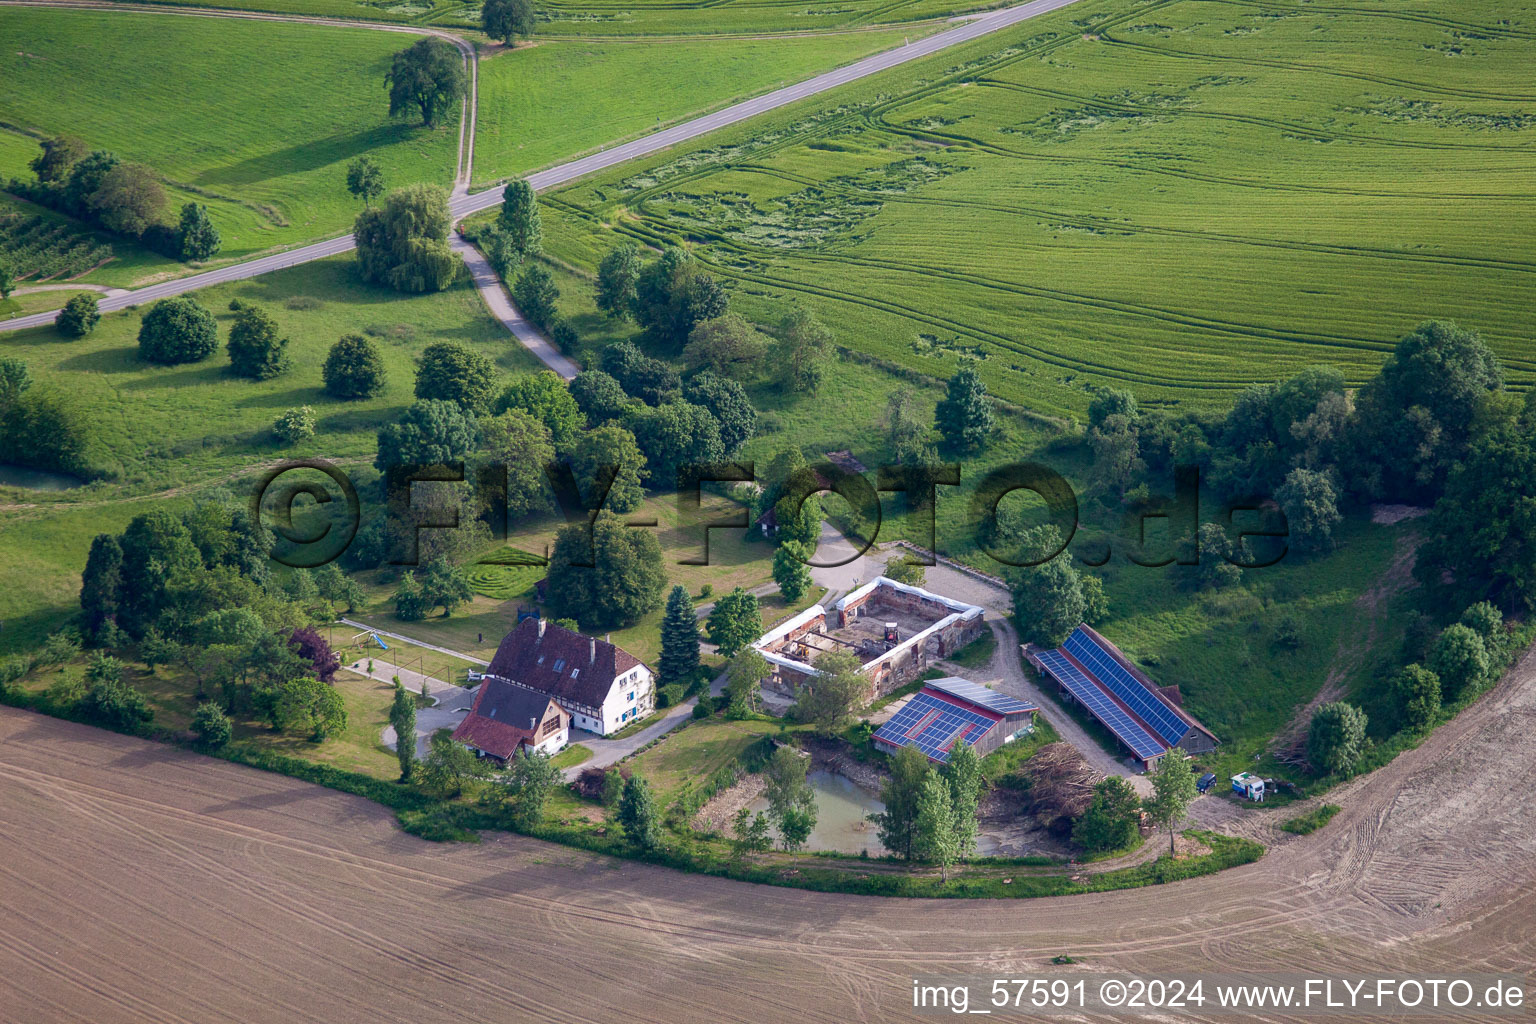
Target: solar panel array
(980, 695)
(1169, 726)
(1100, 706)
(937, 722)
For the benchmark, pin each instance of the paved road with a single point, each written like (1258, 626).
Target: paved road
(464, 205)
(449, 703)
(500, 305)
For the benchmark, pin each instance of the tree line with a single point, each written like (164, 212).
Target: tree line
(125, 198)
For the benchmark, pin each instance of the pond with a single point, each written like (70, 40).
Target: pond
(840, 809)
(37, 479)
(841, 825)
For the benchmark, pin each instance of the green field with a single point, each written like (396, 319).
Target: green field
(264, 142)
(557, 99)
(1187, 198)
(172, 431)
(617, 18)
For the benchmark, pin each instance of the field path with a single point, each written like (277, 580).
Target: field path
(146, 883)
(464, 205)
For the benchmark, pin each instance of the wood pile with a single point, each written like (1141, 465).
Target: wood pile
(1060, 786)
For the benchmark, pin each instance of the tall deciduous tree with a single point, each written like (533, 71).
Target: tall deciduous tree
(935, 839)
(128, 200)
(1415, 418)
(445, 586)
(964, 418)
(256, 348)
(611, 577)
(726, 345)
(177, 330)
(426, 77)
(196, 237)
(728, 402)
(897, 823)
(519, 220)
(403, 243)
(1417, 693)
(637, 814)
(60, 153)
(449, 765)
(963, 773)
(79, 315)
(1482, 531)
(429, 433)
(790, 571)
(402, 715)
(734, 622)
(743, 682)
(803, 348)
(365, 180)
(101, 581)
(520, 446)
(828, 700)
(354, 368)
(1311, 507)
(1459, 658)
(675, 435)
(536, 295)
(679, 639)
(452, 372)
(508, 19)
(616, 276)
(609, 453)
(1336, 737)
(672, 295)
(1174, 788)
(1110, 822)
(1048, 602)
(531, 778)
(546, 398)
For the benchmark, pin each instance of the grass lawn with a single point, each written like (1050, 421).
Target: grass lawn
(571, 756)
(267, 142)
(551, 101)
(693, 752)
(1104, 196)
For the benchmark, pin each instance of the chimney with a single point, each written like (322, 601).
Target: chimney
(541, 627)
(591, 649)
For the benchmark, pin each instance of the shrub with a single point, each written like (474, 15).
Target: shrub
(295, 425)
(116, 705)
(1336, 737)
(79, 316)
(211, 725)
(177, 330)
(354, 368)
(255, 348)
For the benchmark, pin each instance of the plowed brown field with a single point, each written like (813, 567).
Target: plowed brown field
(141, 883)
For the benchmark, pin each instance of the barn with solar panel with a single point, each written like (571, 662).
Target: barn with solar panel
(1146, 720)
(951, 710)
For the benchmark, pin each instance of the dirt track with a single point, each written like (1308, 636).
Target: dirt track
(144, 884)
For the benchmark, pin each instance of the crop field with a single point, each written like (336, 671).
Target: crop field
(1134, 197)
(559, 98)
(266, 142)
